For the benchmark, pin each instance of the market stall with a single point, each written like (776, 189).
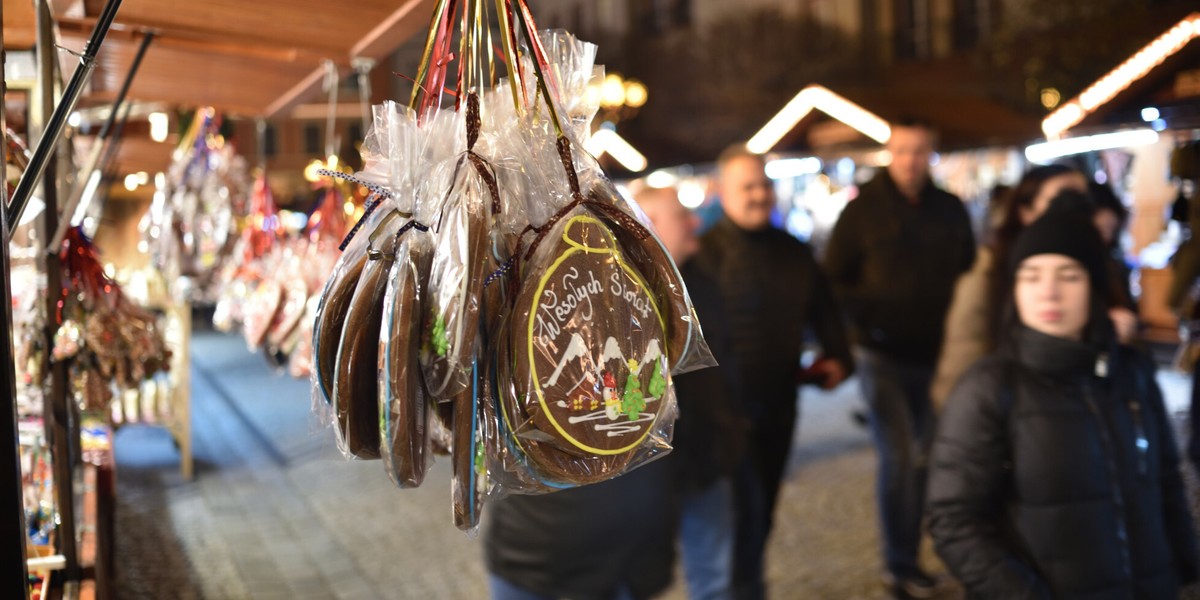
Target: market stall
(170, 53)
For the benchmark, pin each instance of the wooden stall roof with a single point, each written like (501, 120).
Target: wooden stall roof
(257, 58)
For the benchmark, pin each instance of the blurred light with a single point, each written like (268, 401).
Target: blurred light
(1051, 98)
(691, 195)
(1150, 114)
(607, 140)
(160, 180)
(845, 168)
(143, 177)
(1048, 151)
(935, 158)
(635, 93)
(131, 182)
(143, 247)
(160, 126)
(1158, 125)
(348, 207)
(879, 158)
(820, 98)
(74, 120)
(661, 179)
(612, 94)
(594, 96)
(1101, 177)
(787, 168)
(310, 171)
(1120, 78)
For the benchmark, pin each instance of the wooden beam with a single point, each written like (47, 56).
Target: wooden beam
(201, 42)
(390, 33)
(298, 93)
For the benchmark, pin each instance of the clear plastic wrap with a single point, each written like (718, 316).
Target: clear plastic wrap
(355, 376)
(641, 247)
(469, 481)
(333, 305)
(456, 277)
(585, 388)
(403, 403)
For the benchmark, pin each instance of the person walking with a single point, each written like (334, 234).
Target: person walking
(710, 435)
(894, 256)
(773, 291)
(1055, 473)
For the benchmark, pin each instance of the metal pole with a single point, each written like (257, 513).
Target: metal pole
(14, 574)
(364, 66)
(54, 129)
(97, 149)
(331, 86)
(56, 410)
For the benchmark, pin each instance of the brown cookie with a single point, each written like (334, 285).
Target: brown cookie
(356, 380)
(589, 367)
(331, 317)
(469, 482)
(403, 399)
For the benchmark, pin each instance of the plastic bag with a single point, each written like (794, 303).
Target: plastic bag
(355, 380)
(403, 401)
(469, 482)
(641, 247)
(586, 391)
(458, 271)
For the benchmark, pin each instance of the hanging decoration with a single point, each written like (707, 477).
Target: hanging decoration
(499, 300)
(192, 225)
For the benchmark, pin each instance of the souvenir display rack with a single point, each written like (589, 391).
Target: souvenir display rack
(60, 415)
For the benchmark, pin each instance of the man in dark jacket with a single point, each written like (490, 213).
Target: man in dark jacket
(710, 434)
(894, 257)
(773, 290)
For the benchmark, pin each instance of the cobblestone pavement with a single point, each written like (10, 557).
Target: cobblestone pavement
(275, 512)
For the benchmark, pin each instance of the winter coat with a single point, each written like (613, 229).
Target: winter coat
(772, 290)
(586, 543)
(710, 434)
(894, 265)
(1037, 486)
(967, 337)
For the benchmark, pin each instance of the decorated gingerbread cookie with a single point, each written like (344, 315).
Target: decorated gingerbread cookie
(589, 367)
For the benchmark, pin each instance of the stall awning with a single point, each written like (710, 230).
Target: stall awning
(257, 58)
(820, 119)
(1127, 77)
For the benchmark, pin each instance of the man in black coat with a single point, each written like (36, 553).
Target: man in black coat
(710, 434)
(773, 290)
(894, 257)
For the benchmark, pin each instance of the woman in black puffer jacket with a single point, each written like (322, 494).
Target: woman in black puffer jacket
(1055, 473)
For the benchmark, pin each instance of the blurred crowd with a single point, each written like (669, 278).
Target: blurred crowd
(1016, 420)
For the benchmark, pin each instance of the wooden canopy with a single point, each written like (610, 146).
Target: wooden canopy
(256, 59)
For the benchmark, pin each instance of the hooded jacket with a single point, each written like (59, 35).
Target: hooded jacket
(1050, 481)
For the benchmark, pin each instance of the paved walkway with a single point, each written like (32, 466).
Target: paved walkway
(275, 512)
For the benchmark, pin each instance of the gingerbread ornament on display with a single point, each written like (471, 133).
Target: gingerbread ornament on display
(589, 370)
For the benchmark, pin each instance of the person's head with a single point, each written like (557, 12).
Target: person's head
(911, 147)
(1058, 271)
(1032, 195)
(747, 195)
(675, 225)
(1111, 215)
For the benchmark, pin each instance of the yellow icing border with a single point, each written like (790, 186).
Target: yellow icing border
(576, 247)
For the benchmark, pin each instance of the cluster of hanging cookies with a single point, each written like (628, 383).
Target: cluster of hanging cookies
(500, 301)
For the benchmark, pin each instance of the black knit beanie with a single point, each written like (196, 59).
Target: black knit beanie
(1066, 228)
